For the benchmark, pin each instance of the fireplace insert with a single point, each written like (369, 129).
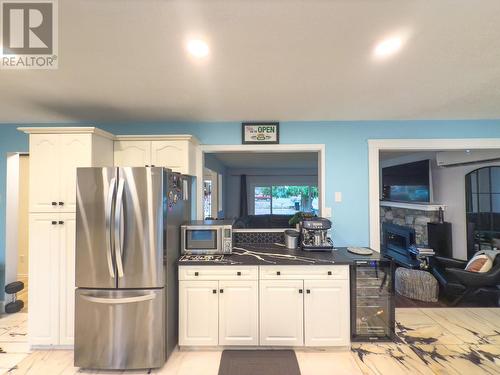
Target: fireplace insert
(396, 242)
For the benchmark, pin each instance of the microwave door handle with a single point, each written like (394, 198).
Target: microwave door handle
(118, 229)
(108, 213)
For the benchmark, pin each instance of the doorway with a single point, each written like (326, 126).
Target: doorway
(17, 224)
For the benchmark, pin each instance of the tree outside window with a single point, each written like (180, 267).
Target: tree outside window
(285, 199)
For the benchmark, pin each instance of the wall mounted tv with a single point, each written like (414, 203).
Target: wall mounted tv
(407, 182)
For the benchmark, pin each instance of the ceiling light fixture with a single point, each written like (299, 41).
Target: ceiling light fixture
(198, 48)
(388, 46)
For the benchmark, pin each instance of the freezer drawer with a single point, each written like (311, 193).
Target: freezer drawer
(120, 329)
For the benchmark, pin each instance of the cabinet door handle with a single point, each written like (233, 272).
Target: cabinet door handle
(308, 291)
(238, 273)
(54, 203)
(147, 165)
(61, 203)
(221, 290)
(300, 291)
(278, 273)
(214, 291)
(61, 222)
(196, 273)
(54, 222)
(329, 273)
(153, 165)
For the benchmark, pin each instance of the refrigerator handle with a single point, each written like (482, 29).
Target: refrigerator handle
(116, 301)
(109, 210)
(118, 225)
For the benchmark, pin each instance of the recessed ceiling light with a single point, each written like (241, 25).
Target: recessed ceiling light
(388, 46)
(198, 48)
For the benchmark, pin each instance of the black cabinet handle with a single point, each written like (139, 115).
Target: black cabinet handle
(300, 291)
(61, 222)
(54, 203)
(196, 273)
(308, 291)
(214, 291)
(238, 273)
(61, 203)
(329, 272)
(54, 222)
(153, 165)
(221, 290)
(278, 273)
(147, 165)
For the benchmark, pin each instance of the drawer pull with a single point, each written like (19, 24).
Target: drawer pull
(61, 203)
(196, 273)
(214, 291)
(329, 273)
(61, 222)
(54, 222)
(308, 291)
(238, 273)
(54, 203)
(300, 291)
(278, 273)
(221, 290)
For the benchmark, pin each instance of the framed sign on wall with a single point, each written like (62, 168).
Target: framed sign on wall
(260, 133)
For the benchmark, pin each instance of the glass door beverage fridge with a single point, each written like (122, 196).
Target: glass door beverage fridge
(372, 301)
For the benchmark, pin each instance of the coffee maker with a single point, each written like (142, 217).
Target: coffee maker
(314, 234)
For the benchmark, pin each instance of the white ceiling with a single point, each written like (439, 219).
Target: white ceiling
(125, 60)
(268, 160)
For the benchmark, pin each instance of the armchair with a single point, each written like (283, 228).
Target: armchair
(453, 278)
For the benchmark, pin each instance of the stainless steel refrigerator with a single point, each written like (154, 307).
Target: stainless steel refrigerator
(127, 244)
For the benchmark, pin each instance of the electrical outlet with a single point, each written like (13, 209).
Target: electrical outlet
(338, 196)
(328, 212)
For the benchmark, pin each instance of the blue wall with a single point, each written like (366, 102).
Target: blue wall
(346, 156)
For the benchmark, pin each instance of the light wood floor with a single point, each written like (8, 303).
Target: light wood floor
(430, 341)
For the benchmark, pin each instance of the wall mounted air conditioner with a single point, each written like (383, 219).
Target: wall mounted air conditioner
(464, 157)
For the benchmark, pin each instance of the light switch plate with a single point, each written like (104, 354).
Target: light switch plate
(328, 212)
(338, 196)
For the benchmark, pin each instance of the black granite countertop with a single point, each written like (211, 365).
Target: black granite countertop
(276, 254)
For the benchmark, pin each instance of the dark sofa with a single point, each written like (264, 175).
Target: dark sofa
(262, 221)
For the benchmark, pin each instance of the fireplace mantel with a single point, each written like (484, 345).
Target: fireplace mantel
(414, 206)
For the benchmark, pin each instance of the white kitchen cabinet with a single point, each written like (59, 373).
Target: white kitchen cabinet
(67, 228)
(44, 173)
(198, 313)
(55, 153)
(132, 153)
(43, 292)
(177, 152)
(238, 312)
(326, 312)
(281, 312)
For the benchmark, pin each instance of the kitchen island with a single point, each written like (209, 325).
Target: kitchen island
(267, 295)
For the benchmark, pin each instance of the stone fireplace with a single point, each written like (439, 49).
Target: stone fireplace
(414, 218)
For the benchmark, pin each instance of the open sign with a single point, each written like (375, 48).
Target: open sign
(260, 133)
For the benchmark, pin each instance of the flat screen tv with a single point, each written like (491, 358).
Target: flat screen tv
(407, 182)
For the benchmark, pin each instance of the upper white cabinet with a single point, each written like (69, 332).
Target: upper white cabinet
(55, 153)
(175, 152)
(132, 153)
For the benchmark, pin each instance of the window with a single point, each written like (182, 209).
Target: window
(285, 199)
(207, 198)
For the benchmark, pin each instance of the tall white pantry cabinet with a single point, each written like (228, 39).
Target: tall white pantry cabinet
(55, 153)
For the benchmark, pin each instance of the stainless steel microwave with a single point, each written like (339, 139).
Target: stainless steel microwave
(207, 237)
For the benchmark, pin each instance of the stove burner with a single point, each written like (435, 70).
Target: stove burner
(201, 258)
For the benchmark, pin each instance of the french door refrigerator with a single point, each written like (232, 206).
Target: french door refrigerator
(127, 244)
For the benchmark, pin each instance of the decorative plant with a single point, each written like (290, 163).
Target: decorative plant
(299, 216)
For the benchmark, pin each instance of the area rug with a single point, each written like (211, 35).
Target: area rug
(259, 362)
